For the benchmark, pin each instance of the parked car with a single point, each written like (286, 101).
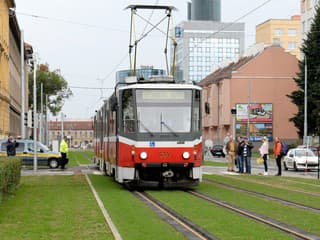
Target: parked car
(217, 151)
(314, 149)
(300, 159)
(45, 157)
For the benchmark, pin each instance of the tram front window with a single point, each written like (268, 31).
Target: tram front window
(164, 110)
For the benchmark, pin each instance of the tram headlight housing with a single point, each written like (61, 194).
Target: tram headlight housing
(143, 155)
(186, 155)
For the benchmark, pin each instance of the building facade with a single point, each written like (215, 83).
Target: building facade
(4, 66)
(78, 132)
(285, 32)
(261, 81)
(10, 72)
(308, 9)
(204, 45)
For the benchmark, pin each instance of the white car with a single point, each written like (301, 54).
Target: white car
(300, 159)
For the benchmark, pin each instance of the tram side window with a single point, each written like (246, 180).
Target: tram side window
(196, 112)
(128, 120)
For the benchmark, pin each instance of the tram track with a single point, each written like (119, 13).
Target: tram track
(265, 196)
(296, 232)
(177, 221)
(274, 186)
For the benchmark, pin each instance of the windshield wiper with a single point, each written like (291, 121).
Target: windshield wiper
(169, 128)
(144, 126)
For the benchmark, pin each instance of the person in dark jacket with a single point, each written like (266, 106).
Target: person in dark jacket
(245, 151)
(11, 146)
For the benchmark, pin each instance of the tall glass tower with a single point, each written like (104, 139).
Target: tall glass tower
(204, 42)
(205, 10)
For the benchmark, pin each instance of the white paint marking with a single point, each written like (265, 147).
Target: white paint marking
(107, 217)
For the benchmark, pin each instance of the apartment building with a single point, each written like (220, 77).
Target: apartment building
(257, 87)
(308, 10)
(284, 32)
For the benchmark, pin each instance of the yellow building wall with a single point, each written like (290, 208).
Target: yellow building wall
(266, 33)
(4, 69)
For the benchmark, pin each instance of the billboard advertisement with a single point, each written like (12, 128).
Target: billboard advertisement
(257, 130)
(259, 112)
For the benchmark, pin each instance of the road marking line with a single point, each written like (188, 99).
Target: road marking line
(106, 215)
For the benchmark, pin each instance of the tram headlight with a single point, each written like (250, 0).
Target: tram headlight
(143, 155)
(186, 155)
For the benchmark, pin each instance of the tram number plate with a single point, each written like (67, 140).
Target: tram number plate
(164, 154)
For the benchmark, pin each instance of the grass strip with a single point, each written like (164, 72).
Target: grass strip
(220, 222)
(304, 184)
(297, 197)
(133, 219)
(215, 164)
(76, 158)
(303, 219)
(52, 207)
(275, 185)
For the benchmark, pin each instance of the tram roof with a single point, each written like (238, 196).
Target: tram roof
(160, 86)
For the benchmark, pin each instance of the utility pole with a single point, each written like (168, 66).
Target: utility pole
(305, 128)
(248, 109)
(62, 125)
(23, 128)
(41, 114)
(47, 121)
(35, 160)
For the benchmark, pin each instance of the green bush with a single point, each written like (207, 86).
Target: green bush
(10, 173)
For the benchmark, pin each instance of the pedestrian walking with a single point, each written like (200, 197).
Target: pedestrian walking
(277, 154)
(231, 149)
(11, 146)
(64, 149)
(245, 151)
(264, 152)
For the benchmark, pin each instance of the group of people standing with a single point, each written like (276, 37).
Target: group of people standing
(239, 154)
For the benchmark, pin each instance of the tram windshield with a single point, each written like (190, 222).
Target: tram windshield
(164, 110)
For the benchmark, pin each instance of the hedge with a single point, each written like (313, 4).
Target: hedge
(10, 173)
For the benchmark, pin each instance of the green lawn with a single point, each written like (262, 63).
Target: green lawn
(269, 190)
(77, 158)
(287, 214)
(221, 223)
(215, 164)
(52, 207)
(133, 219)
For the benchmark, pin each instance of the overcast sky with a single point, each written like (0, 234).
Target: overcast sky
(88, 40)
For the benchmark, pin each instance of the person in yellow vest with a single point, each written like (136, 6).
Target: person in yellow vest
(231, 149)
(64, 149)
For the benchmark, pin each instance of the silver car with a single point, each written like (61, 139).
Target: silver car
(300, 159)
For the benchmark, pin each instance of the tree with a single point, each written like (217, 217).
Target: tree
(54, 85)
(310, 49)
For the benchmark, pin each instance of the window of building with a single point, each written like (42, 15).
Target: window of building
(292, 32)
(309, 4)
(277, 41)
(303, 6)
(303, 27)
(292, 45)
(278, 32)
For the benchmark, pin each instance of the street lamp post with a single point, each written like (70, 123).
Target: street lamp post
(305, 126)
(35, 160)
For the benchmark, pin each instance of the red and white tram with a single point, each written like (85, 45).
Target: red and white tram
(149, 134)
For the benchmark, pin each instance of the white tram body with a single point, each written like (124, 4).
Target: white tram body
(149, 134)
